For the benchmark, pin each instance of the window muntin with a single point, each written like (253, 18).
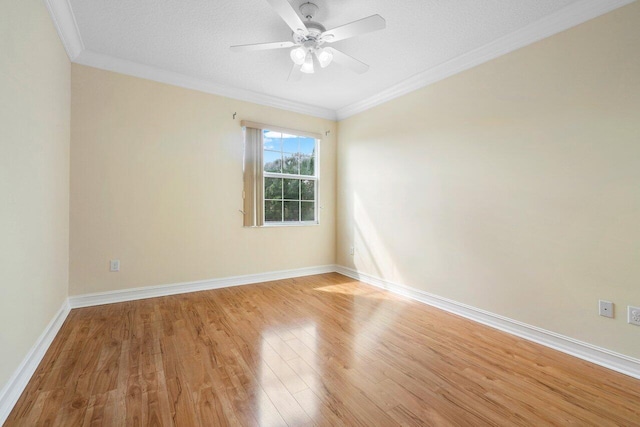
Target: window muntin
(290, 178)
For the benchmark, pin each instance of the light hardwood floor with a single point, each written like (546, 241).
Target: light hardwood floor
(318, 350)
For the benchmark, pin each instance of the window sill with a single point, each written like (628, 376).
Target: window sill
(289, 224)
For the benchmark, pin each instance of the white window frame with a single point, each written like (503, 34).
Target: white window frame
(315, 178)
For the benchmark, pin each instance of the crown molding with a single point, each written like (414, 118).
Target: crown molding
(565, 18)
(65, 22)
(136, 69)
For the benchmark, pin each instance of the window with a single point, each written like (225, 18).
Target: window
(290, 179)
(281, 176)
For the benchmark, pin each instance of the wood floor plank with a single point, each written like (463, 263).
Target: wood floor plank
(316, 350)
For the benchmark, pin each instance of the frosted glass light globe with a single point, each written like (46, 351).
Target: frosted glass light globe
(325, 56)
(298, 55)
(307, 67)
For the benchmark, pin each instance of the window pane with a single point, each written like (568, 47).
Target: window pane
(272, 140)
(307, 165)
(292, 211)
(272, 211)
(307, 146)
(290, 164)
(292, 189)
(289, 143)
(273, 188)
(308, 211)
(308, 189)
(289, 200)
(272, 161)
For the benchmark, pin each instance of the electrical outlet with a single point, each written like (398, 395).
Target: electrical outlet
(605, 308)
(352, 251)
(114, 265)
(634, 315)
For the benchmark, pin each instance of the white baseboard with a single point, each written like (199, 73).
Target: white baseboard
(12, 390)
(600, 356)
(131, 294)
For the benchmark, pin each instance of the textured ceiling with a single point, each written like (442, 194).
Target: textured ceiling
(192, 37)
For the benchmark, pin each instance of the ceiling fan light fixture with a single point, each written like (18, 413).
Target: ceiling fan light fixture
(324, 57)
(307, 67)
(298, 55)
(308, 37)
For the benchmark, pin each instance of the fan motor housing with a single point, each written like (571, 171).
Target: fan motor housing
(315, 30)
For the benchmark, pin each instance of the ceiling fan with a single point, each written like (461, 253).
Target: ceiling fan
(309, 37)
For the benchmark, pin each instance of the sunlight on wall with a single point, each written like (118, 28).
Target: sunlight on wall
(371, 253)
(511, 187)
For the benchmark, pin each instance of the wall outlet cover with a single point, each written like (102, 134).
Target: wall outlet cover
(114, 265)
(634, 315)
(605, 308)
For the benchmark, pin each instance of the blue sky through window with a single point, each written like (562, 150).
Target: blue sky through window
(276, 141)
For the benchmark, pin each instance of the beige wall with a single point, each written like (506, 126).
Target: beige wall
(156, 182)
(34, 177)
(513, 187)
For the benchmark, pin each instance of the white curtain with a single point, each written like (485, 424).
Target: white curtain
(253, 177)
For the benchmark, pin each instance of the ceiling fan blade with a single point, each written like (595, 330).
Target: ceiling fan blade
(355, 28)
(261, 46)
(348, 61)
(295, 74)
(289, 15)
